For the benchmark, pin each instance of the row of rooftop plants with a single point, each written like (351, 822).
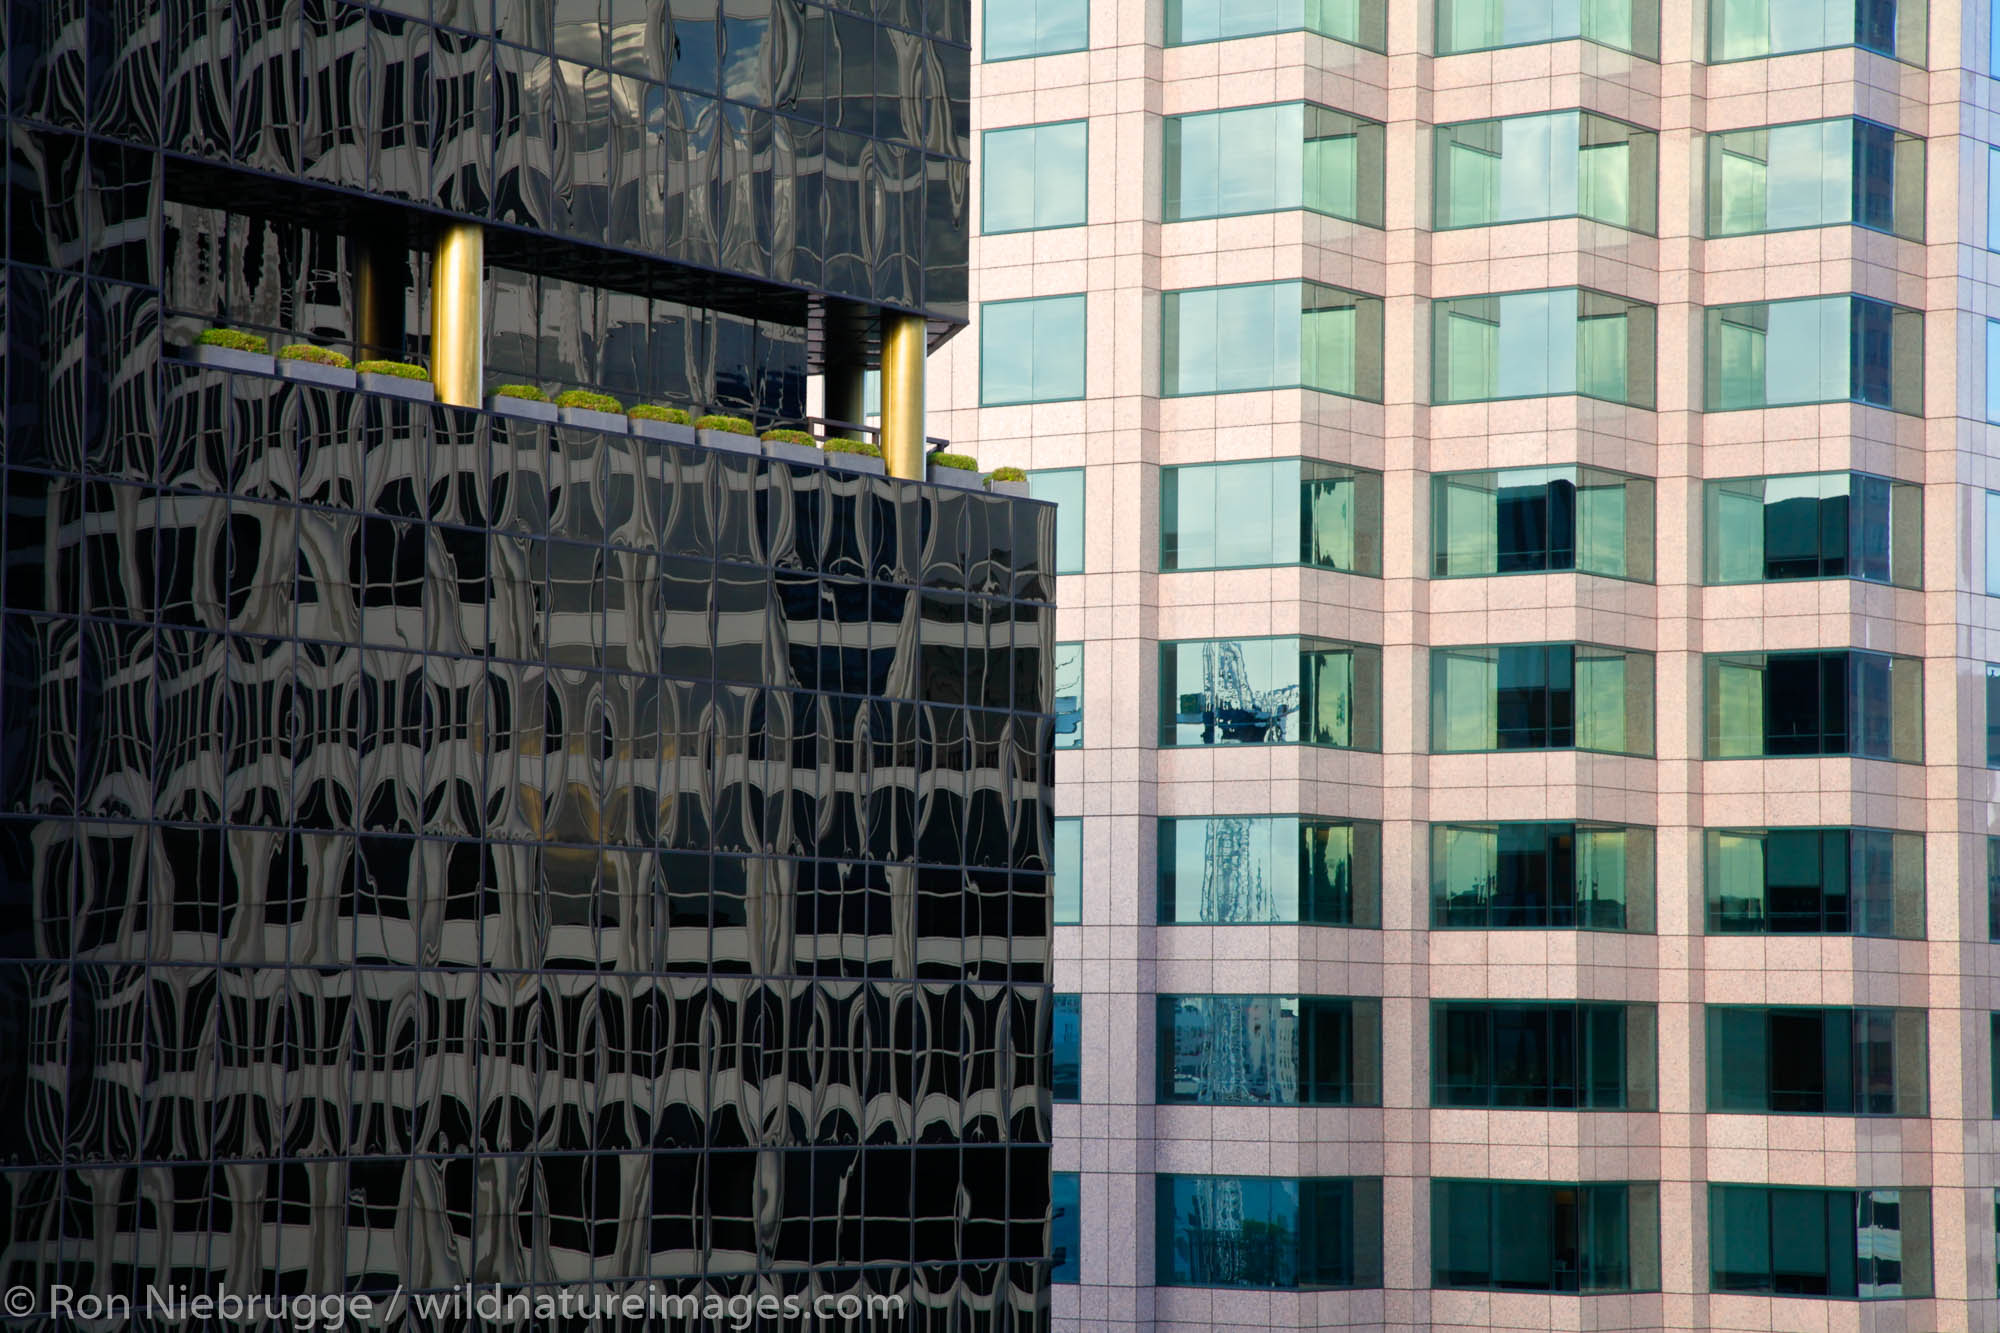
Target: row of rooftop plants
(236, 349)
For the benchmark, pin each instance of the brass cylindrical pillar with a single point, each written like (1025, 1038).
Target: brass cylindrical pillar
(378, 300)
(458, 316)
(903, 348)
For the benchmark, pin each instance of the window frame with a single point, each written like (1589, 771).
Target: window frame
(1713, 146)
(1365, 682)
(1368, 496)
(1439, 308)
(1170, 298)
(1308, 107)
(1082, 300)
(985, 166)
(1438, 132)
(985, 45)
(1440, 481)
(1364, 893)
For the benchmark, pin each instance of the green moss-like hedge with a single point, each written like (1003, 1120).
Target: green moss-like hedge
(526, 391)
(402, 370)
(236, 340)
(1007, 474)
(656, 412)
(963, 462)
(595, 402)
(728, 425)
(791, 437)
(841, 444)
(314, 355)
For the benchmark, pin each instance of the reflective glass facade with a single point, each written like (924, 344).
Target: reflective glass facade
(1035, 176)
(1837, 1244)
(1776, 705)
(1817, 1061)
(1269, 1050)
(1748, 29)
(1357, 22)
(1271, 335)
(1286, 511)
(1819, 349)
(1537, 344)
(1559, 165)
(1534, 876)
(1562, 1056)
(1541, 696)
(1281, 691)
(1542, 520)
(1263, 159)
(1486, 25)
(1276, 1233)
(1258, 869)
(1814, 881)
(1819, 173)
(1816, 525)
(1505, 1235)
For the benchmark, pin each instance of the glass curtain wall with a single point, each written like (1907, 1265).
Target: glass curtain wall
(1269, 1050)
(1559, 165)
(1563, 1056)
(1819, 349)
(1274, 1233)
(1842, 1244)
(1262, 869)
(1265, 159)
(1815, 525)
(1542, 520)
(1541, 696)
(1751, 29)
(1280, 691)
(1778, 705)
(1814, 881)
(1538, 344)
(1862, 1062)
(1278, 512)
(1271, 335)
(1535, 876)
(1507, 1235)
(1821, 173)
(1485, 25)
(1356, 22)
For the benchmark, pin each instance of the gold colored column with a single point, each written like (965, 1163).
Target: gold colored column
(903, 339)
(458, 315)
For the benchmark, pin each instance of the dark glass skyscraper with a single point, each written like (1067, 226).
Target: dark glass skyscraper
(445, 846)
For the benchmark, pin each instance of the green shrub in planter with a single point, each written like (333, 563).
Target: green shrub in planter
(584, 398)
(401, 370)
(841, 444)
(727, 425)
(791, 437)
(1007, 474)
(963, 462)
(318, 356)
(527, 391)
(236, 340)
(655, 412)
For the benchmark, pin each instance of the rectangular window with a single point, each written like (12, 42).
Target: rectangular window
(1562, 1056)
(1507, 1235)
(1532, 876)
(1541, 696)
(1271, 335)
(1063, 487)
(1993, 370)
(1818, 349)
(1993, 888)
(1560, 165)
(1035, 28)
(1540, 520)
(1279, 691)
(1069, 696)
(1778, 705)
(1750, 29)
(1031, 351)
(1843, 1244)
(1993, 543)
(1816, 525)
(1993, 1064)
(1266, 159)
(1269, 1050)
(1993, 186)
(1487, 25)
(1066, 886)
(1259, 869)
(1065, 1046)
(1569, 340)
(1282, 512)
(1036, 176)
(1356, 22)
(1065, 1229)
(1822, 173)
(1273, 1233)
(1861, 1062)
(1815, 881)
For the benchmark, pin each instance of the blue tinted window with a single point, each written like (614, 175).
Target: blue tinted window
(1270, 1050)
(1069, 696)
(1066, 1042)
(1065, 1225)
(1067, 883)
(1268, 1232)
(1064, 487)
(1036, 176)
(1016, 28)
(1031, 351)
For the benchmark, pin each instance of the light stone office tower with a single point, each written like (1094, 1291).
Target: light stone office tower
(1531, 809)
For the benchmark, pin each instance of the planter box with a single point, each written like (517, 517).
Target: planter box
(396, 386)
(592, 419)
(963, 478)
(1015, 488)
(311, 372)
(228, 358)
(846, 462)
(673, 432)
(735, 444)
(508, 406)
(804, 455)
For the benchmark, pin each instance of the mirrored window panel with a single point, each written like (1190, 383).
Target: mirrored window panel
(1063, 487)
(1264, 159)
(1268, 1232)
(1542, 520)
(1779, 705)
(1036, 176)
(1506, 1235)
(1993, 888)
(1539, 344)
(1279, 691)
(1356, 22)
(1815, 525)
(1814, 881)
(1993, 714)
(1817, 1061)
(1263, 869)
(1821, 173)
(1069, 696)
(1282, 511)
(1536, 876)
(1839, 1244)
(1541, 696)
(1486, 25)
(1562, 1056)
(1820, 349)
(1035, 28)
(1749, 29)
(1031, 351)
(1270, 1050)
(1066, 883)
(1560, 165)
(1065, 1225)
(1066, 1048)
(1271, 335)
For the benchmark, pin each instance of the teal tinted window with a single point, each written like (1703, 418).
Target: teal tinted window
(1801, 1061)
(1565, 164)
(1776, 705)
(1993, 888)
(1993, 190)
(1269, 1232)
(1815, 881)
(1993, 370)
(1747, 29)
(1065, 1225)
(1993, 543)
(1066, 856)
(1485, 25)
(1822, 173)
(1504, 1235)
(1035, 28)
(1541, 696)
(1564, 1056)
(1270, 1050)
(1541, 520)
(1031, 351)
(1263, 159)
(1281, 691)
(1993, 1067)
(1271, 335)
(1357, 22)
(1036, 176)
(1066, 1046)
(1993, 714)
(1822, 349)
(1256, 869)
(1280, 512)
(1536, 876)
(1538, 344)
(1841, 1244)
(1069, 696)
(1817, 525)
(1064, 487)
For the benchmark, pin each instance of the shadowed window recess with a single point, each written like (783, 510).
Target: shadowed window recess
(1505, 1235)
(1541, 696)
(1554, 1056)
(1838, 1244)
(1534, 876)
(1861, 1062)
(1815, 525)
(1779, 705)
(1542, 520)
(1814, 881)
